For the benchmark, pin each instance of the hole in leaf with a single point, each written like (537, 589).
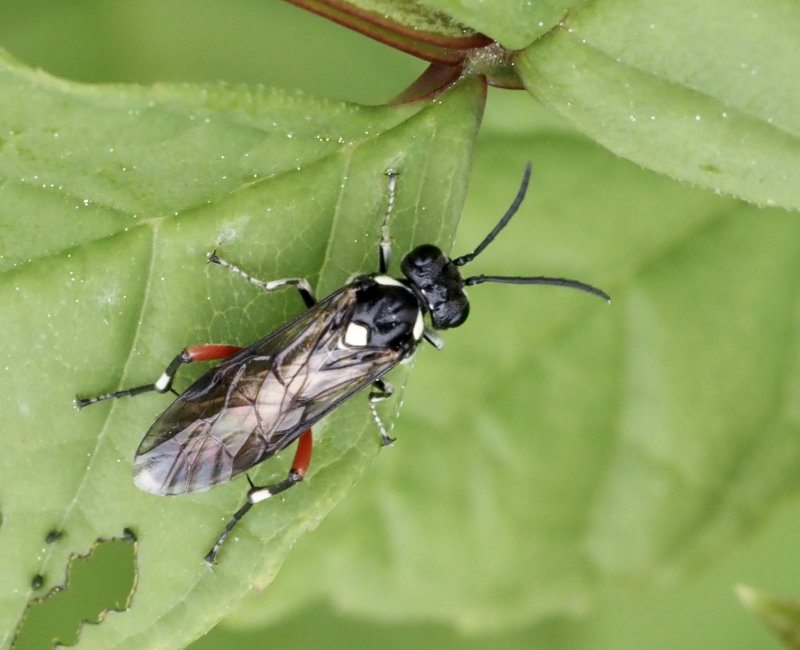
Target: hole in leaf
(100, 581)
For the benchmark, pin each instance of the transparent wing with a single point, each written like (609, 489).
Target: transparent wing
(258, 401)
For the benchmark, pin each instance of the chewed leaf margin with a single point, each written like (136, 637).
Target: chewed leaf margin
(64, 588)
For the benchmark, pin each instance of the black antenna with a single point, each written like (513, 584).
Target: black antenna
(466, 259)
(479, 279)
(560, 282)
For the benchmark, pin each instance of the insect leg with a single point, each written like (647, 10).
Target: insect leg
(381, 390)
(206, 352)
(433, 338)
(301, 284)
(385, 245)
(302, 459)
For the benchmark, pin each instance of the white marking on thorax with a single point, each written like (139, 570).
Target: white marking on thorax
(388, 281)
(419, 326)
(356, 335)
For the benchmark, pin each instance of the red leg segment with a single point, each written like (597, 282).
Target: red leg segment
(206, 352)
(210, 351)
(302, 459)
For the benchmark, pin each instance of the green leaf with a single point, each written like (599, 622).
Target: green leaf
(512, 23)
(409, 13)
(559, 452)
(95, 585)
(699, 91)
(110, 198)
(407, 26)
(692, 452)
(781, 615)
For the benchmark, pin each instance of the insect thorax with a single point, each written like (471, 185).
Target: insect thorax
(387, 314)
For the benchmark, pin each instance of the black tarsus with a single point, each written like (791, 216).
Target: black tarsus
(292, 479)
(180, 359)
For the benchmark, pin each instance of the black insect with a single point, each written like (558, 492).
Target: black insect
(263, 397)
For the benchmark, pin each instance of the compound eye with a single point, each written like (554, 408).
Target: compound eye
(451, 313)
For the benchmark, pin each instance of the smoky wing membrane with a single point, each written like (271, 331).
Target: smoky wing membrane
(257, 402)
